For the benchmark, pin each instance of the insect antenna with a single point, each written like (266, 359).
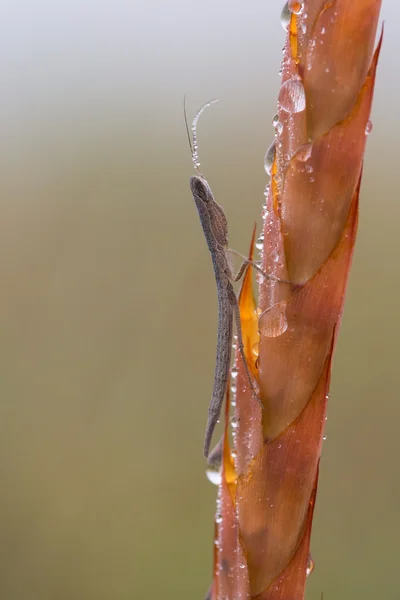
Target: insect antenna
(193, 139)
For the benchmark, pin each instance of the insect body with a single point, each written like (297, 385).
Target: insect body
(215, 228)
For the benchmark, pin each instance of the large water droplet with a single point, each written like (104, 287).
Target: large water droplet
(292, 97)
(269, 158)
(213, 476)
(285, 17)
(273, 322)
(304, 152)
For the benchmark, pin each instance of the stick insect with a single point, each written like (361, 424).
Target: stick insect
(215, 228)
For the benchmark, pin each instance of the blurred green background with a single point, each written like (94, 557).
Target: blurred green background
(108, 308)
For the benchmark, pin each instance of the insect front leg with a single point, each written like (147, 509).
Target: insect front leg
(247, 262)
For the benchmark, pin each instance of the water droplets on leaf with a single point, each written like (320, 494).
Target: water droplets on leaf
(368, 127)
(292, 97)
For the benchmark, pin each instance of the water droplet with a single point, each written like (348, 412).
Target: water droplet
(234, 422)
(213, 476)
(368, 127)
(278, 129)
(292, 97)
(233, 454)
(273, 322)
(323, 30)
(295, 6)
(234, 373)
(285, 17)
(274, 255)
(275, 120)
(311, 179)
(233, 387)
(310, 566)
(327, 70)
(304, 153)
(269, 158)
(260, 242)
(324, 437)
(218, 518)
(309, 169)
(242, 566)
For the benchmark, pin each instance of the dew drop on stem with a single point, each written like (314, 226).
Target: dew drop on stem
(292, 97)
(368, 127)
(269, 158)
(285, 17)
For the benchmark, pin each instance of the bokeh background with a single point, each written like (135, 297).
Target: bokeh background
(108, 308)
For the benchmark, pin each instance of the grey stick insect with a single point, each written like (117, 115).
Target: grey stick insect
(215, 228)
